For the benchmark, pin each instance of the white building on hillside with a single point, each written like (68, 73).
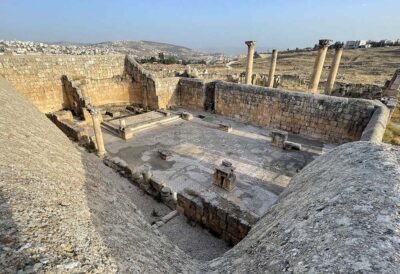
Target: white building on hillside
(356, 44)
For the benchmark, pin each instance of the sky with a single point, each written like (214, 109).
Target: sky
(208, 25)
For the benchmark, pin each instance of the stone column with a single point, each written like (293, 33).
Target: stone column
(250, 55)
(318, 65)
(101, 151)
(334, 68)
(271, 76)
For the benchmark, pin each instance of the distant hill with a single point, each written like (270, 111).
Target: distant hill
(141, 48)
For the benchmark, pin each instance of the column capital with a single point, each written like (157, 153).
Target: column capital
(250, 43)
(323, 43)
(338, 45)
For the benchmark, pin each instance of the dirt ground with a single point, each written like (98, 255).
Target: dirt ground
(366, 66)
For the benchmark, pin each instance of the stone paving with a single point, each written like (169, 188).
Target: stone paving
(198, 146)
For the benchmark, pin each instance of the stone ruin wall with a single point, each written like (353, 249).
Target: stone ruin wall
(167, 92)
(143, 83)
(149, 90)
(38, 78)
(340, 192)
(116, 79)
(117, 90)
(192, 93)
(112, 79)
(221, 217)
(331, 118)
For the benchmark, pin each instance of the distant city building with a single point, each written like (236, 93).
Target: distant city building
(386, 42)
(356, 44)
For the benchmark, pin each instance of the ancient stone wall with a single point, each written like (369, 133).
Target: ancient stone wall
(144, 86)
(167, 92)
(63, 205)
(117, 90)
(192, 93)
(73, 98)
(38, 78)
(149, 91)
(330, 118)
(220, 216)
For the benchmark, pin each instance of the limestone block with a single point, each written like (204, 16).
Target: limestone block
(157, 184)
(187, 116)
(165, 194)
(165, 154)
(225, 127)
(225, 177)
(279, 137)
(169, 216)
(146, 174)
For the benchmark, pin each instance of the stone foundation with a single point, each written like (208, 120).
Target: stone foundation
(64, 121)
(223, 218)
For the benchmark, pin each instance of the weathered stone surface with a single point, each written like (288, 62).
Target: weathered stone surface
(279, 137)
(225, 127)
(187, 115)
(192, 93)
(338, 215)
(165, 154)
(326, 117)
(224, 176)
(222, 217)
(291, 145)
(377, 125)
(42, 84)
(63, 211)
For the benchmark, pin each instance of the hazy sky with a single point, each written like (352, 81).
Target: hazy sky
(217, 25)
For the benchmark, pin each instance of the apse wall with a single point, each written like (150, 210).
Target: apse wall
(38, 77)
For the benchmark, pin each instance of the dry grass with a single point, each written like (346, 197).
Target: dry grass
(366, 66)
(392, 133)
(361, 66)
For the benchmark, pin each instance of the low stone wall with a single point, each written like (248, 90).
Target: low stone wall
(79, 135)
(377, 124)
(223, 218)
(151, 185)
(329, 118)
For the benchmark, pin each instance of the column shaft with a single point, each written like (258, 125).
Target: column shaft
(318, 65)
(250, 56)
(271, 76)
(334, 68)
(101, 151)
